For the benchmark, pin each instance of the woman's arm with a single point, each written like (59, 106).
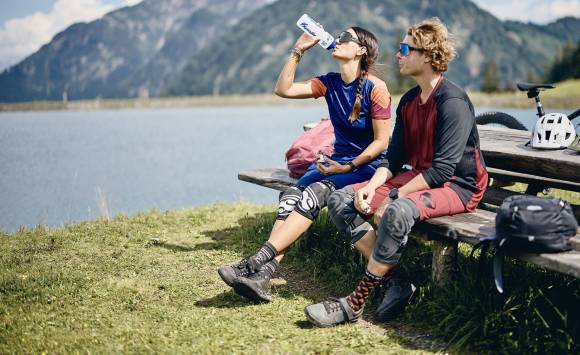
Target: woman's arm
(285, 86)
(381, 129)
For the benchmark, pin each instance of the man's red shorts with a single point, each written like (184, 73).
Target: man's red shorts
(441, 201)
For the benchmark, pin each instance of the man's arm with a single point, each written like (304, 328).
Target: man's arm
(454, 123)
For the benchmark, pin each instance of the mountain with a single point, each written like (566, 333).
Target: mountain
(203, 47)
(262, 43)
(127, 53)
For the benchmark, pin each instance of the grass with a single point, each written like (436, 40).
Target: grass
(565, 96)
(147, 284)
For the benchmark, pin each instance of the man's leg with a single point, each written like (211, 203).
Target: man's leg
(395, 225)
(349, 221)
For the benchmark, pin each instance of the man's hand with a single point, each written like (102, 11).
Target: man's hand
(333, 168)
(363, 198)
(381, 210)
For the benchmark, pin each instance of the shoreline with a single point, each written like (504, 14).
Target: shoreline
(504, 99)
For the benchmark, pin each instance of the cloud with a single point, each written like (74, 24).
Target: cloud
(20, 37)
(538, 11)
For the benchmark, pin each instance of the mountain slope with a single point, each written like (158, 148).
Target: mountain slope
(517, 48)
(122, 54)
(202, 47)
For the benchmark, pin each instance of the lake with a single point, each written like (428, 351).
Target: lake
(60, 167)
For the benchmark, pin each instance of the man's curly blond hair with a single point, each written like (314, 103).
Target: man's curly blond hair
(437, 43)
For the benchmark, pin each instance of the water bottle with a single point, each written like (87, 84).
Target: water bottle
(308, 25)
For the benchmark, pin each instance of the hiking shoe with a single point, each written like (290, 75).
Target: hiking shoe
(398, 294)
(230, 272)
(256, 287)
(332, 312)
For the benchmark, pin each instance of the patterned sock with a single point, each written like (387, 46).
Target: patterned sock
(270, 268)
(266, 253)
(360, 294)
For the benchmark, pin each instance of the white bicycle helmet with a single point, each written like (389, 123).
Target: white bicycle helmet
(553, 131)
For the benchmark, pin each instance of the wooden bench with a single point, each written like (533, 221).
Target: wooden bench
(446, 232)
(507, 159)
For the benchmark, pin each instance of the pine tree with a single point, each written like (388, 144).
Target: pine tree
(491, 80)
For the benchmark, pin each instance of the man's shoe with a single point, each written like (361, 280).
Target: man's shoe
(256, 287)
(332, 312)
(397, 295)
(230, 272)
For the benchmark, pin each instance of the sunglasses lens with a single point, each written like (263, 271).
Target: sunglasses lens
(404, 49)
(344, 37)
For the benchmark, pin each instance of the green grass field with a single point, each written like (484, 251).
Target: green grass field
(565, 96)
(148, 284)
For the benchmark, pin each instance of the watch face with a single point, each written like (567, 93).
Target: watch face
(393, 194)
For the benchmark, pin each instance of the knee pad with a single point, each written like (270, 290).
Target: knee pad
(314, 198)
(393, 230)
(287, 201)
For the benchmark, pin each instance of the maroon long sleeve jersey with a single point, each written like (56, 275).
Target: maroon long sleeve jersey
(439, 138)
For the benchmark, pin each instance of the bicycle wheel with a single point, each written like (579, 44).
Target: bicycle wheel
(500, 119)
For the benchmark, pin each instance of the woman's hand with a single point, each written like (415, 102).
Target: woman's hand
(333, 168)
(305, 42)
(363, 198)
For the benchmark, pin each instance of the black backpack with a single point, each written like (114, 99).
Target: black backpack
(529, 224)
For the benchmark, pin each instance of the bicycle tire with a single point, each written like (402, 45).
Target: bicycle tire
(501, 119)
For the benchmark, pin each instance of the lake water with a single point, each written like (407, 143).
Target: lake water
(60, 167)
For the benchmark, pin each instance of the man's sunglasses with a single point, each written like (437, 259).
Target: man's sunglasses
(405, 49)
(345, 36)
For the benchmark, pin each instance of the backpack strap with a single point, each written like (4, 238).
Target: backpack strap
(498, 269)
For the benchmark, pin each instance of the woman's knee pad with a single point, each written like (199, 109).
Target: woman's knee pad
(393, 230)
(287, 202)
(314, 198)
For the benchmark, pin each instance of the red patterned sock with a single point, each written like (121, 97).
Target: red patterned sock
(360, 294)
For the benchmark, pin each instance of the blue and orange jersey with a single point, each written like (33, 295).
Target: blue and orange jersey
(353, 138)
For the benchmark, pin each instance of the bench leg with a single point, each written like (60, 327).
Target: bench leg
(444, 261)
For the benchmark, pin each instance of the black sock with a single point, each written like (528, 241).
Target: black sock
(266, 253)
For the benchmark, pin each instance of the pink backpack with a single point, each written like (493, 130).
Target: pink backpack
(304, 151)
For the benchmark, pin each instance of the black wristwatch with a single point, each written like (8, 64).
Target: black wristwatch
(394, 194)
(352, 166)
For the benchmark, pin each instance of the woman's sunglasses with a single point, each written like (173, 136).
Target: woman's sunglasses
(345, 36)
(405, 49)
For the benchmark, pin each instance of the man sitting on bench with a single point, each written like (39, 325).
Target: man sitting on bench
(435, 133)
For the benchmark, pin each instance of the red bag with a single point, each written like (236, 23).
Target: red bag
(304, 151)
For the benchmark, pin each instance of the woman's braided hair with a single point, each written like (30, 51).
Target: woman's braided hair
(368, 60)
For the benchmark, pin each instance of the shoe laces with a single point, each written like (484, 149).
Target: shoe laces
(332, 305)
(242, 264)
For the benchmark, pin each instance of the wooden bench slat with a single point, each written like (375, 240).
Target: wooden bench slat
(274, 178)
(526, 178)
(505, 149)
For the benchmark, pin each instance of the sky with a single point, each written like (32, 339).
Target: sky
(25, 25)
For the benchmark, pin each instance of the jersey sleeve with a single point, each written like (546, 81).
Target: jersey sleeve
(455, 120)
(318, 86)
(380, 103)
